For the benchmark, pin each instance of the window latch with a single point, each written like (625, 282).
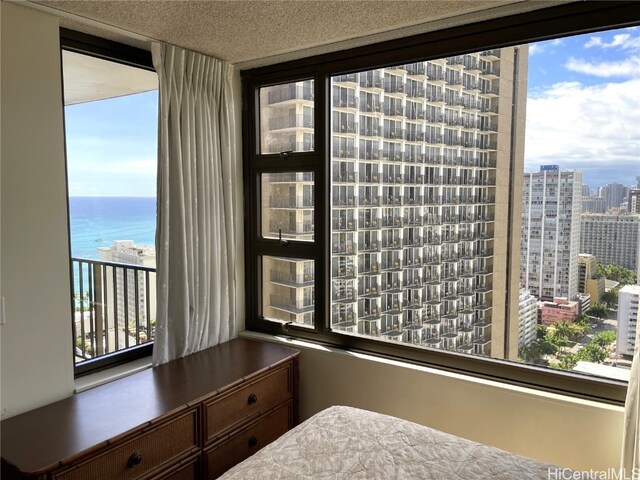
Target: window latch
(285, 327)
(284, 155)
(282, 241)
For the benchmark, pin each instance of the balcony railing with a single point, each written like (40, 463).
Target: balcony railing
(113, 307)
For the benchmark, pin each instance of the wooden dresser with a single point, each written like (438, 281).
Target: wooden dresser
(191, 418)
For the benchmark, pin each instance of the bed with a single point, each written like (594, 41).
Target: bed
(349, 443)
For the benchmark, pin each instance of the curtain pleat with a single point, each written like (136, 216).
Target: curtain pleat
(630, 461)
(196, 244)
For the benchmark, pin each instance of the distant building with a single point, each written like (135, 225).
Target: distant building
(589, 281)
(613, 239)
(586, 191)
(633, 201)
(584, 299)
(136, 282)
(627, 319)
(527, 318)
(558, 310)
(614, 194)
(550, 241)
(594, 205)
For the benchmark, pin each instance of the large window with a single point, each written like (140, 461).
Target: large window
(111, 108)
(449, 179)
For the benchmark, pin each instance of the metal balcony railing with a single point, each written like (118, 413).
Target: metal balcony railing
(113, 307)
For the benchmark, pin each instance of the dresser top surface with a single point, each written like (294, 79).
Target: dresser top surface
(38, 440)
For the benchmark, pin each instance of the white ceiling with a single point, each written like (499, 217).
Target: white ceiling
(246, 30)
(87, 79)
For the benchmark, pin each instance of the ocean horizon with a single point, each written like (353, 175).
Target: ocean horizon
(99, 221)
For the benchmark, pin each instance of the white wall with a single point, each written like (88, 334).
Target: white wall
(551, 428)
(35, 343)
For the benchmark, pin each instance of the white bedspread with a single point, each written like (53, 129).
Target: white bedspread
(349, 443)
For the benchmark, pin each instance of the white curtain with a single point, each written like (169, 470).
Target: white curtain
(631, 428)
(196, 244)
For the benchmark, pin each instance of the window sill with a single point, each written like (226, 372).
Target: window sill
(505, 387)
(109, 375)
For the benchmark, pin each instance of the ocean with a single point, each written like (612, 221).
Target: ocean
(98, 221)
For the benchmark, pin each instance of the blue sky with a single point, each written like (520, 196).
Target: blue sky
(112, 146)
(583, 112)
(583, 106)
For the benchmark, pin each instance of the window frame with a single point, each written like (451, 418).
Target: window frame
(90, 45)
(538, 25)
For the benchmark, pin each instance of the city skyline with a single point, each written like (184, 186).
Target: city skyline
(573, 77)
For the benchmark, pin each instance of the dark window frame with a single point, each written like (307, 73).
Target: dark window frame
(104, 49)
(544, 24)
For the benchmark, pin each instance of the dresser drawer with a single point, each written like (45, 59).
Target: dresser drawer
(248, 401)
(225, 455)
(141, 454)
(187, 470)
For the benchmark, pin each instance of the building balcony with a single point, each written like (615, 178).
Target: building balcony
(290, 92)
(291, 279)
(113, 307)
(348, 78)
(290, 121)
(291, 202)
(345, 102)
(370, 131)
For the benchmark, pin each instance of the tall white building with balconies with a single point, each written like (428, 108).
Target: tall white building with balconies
(613, 239)
(417, 152)
(627, 319)
(527, 318)
(131, 291)
(551, 205)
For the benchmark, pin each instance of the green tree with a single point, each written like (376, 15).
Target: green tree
(617, 273)
(598, 310)
(566, 362)
(535, 352)
(610, 298)
(592, 352)
(604, 339)
(582, 320)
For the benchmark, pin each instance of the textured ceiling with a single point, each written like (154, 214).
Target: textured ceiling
(244, 30)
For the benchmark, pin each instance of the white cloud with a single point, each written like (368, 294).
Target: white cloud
(629, 67)
(535, 48)
(593, 128)
(622, 40)
(556, 42)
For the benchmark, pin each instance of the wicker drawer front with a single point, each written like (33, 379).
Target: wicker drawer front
(141, 454)
(227, 454)
(251, 400)
(190, 470)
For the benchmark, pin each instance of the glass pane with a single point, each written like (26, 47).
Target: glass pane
(286, 118)
(287, 205)
(288, 292)
(111, 138)
(421, 158)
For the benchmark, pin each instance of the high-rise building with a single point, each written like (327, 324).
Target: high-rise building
(421, 156)
(614, 194)
(594, 204)
(551, 204)
(627, 319)
(527, 317)
(586, 191)
(613, 239)
(138, 285)
(633, 202)
(588, 279)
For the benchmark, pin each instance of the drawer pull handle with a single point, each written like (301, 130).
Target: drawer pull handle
(253, 441)
(253, 398)
(134, 459)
